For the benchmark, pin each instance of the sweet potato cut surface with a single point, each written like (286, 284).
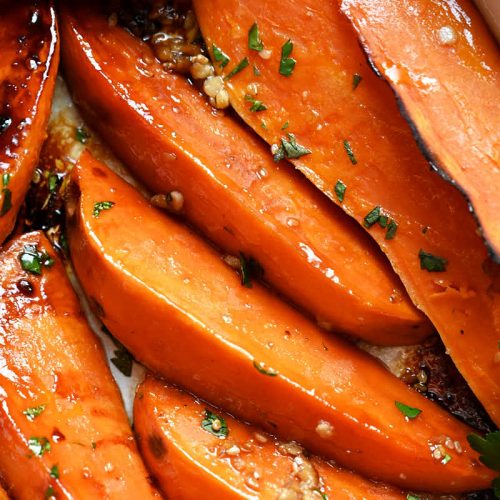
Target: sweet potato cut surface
(63, 430)
(28, 67)
(233, 190)
(190, 462)
(355, 133)
(3, 494)
(447, 75)
(170, 299)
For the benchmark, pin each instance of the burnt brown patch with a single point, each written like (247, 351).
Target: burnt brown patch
(157, 446)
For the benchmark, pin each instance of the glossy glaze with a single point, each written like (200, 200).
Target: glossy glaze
(49, 356)
(233, 190)
(165, 294)
(29, 45)
(323, 110)
(447, 74)
(188, 462)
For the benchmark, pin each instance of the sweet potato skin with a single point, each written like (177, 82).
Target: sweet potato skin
(447, 75)
(309, 251)
(194, 323)
(189, 462)
(323, 111)
(49, 358)
(29, 44)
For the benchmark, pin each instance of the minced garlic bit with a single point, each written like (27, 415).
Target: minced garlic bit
(201, 67)
(261, 438)
(173, 202)
(233, 451)
(447, 35)
(324, 429)
(292, 448)
(266, 53)
(216, 425)
(232, 261)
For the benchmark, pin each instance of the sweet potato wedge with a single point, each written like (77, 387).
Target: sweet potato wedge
(233, 191)
(169, 298)
(447, 76)
(190, 462)
(358, 136)
(29, 46)
(63, 428)
(3, 494)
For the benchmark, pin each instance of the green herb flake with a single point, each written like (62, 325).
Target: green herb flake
(356, 80)
(39, 445)
(33, 412)
(392, 229)
(100, 206)
(287, 63)
(54, 472)
(263, 125)
(340, 189)
(446, 459)
(408, 411)
(214, 424)
(256, 105)
(256, 70)
(239, 67)
(432, 263)
(219, 56)
(488, 448)
(383, 220)
(411, 496)
(82, 135)
(324, 496)
(290, 149)
(285, 125)
(372, 217)
(33, 260)
(6, 201)
(52, 182)
(5, 179)
(262, 368)
(249, 269)
(50, 493)
(254, 41)
(349, 151)
(123, 360)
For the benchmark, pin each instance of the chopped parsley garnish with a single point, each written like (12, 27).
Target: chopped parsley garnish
(214, 424)
(372, 217)
(54, 471)
(5, 179)
(52, 182)
(349, 151)
(488, 448)
(287, 63)
(256, 105)
(256, 70)
(82, 135)
(446, 459)
(33, 412)
(324, 496)
(5, 123)
(239, 67)
(408, 411)
(411, 496)
(249, 269)
(263, 125)
(356, 80)
(290, 149)
(432, 263)
(50, 492)
(219, 56)
(33, 260)
(285, 125)
(392, 229)
(123, 360)
(261, 368)
(340, 188)
(254, 41)
(39, 445)
(6, 195)
(100, 206)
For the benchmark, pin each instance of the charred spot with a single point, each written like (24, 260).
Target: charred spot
(25, 287)
(157, 446)
(99, 172)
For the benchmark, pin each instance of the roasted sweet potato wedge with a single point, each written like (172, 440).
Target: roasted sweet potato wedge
(28, 67)
(3, 494)
(167, 295)
(63, 429)
(193, 450)
(447, 76)
(232, 189)
(338, 109)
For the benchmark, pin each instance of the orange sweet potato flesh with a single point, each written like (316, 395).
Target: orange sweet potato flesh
(233, 190)
(169, 298)
(447, 76)
(323, 110)
(189, 462)
(29, 46)
(50, 360)
(3, 494)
